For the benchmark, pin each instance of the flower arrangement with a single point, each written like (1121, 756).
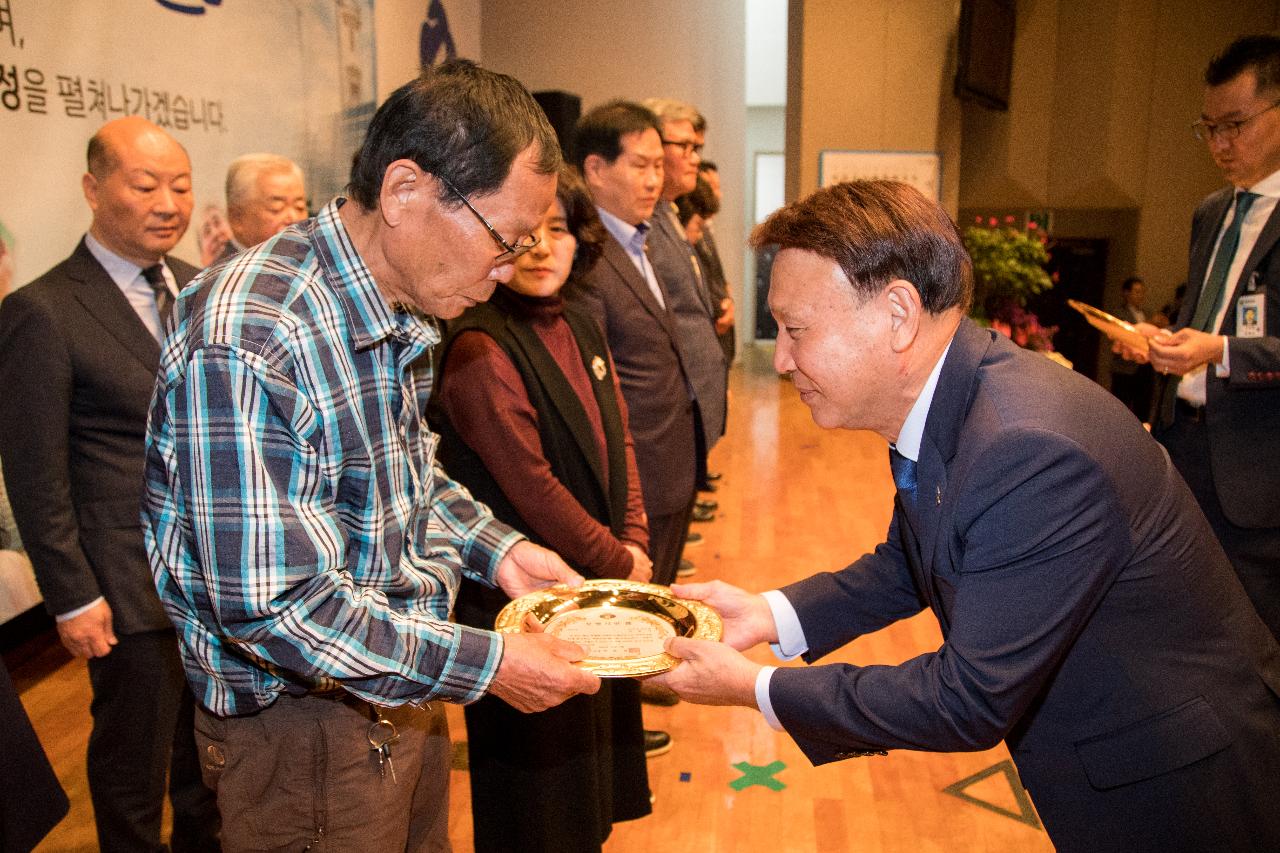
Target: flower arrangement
(1008, 268)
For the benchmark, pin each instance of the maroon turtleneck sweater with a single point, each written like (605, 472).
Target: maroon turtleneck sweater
(485, 400)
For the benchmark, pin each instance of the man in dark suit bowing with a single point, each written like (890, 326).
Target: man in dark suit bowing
(1219, 409)
(1089, 617)
(79, 350)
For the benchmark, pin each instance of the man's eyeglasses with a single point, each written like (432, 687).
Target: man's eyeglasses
(1225, 130)
(687, 147)
(509, 252)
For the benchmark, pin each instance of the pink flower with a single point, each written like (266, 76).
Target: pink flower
(1009, 219)
(1031, 226)
(978, 219)
(992, 222)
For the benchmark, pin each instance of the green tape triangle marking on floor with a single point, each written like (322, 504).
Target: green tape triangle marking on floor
(1026, 813)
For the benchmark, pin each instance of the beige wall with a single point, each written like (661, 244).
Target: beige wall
(872, 75)
(397, 24)
(692, 51)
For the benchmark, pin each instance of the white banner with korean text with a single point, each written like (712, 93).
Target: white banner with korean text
(225, 77)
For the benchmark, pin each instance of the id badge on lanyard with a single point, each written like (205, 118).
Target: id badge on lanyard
(1251, 311)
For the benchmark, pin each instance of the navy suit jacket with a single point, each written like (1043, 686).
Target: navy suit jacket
(1089, 618)
(77, 369)
(1242, 411)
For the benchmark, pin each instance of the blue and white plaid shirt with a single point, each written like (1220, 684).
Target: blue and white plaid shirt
(299, 530)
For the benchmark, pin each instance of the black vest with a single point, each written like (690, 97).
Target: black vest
(568, 440)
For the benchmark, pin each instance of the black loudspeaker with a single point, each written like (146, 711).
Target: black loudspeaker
(563, 110)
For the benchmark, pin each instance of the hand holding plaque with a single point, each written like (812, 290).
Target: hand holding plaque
(622, 626)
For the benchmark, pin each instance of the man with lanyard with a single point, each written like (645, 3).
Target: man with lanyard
(1219, 410)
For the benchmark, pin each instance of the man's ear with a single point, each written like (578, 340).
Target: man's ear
(905, 313)
(89, 184)
(404, 184)
(592, 166)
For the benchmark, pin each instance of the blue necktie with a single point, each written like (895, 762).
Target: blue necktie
(1215, 286)
(904, 477)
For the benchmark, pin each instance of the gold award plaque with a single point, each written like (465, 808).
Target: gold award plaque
(620, 624)
(1111, 326)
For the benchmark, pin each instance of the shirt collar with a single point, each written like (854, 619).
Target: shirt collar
(372, 319)
(122, 271)
(631, 237)
(912, 432)
(1268, 186)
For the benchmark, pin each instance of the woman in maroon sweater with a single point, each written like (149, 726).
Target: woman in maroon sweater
(533, 423)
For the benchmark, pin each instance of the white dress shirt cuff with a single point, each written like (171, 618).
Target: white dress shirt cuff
(1223, 370)
(63, 617)
(791, 642)
(762, 697)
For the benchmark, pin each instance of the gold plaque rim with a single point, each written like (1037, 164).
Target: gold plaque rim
(1111, 326)
(707, 622)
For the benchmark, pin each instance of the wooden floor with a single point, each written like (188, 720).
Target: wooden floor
(794, 499)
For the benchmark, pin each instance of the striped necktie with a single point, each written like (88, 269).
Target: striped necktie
(154, 275)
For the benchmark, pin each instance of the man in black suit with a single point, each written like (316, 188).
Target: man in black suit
(1219, 410)
(79, 350)
(1089, 617)
(1131, 382)
(709, 257)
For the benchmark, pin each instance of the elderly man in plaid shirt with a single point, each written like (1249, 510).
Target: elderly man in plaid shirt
(304, 542)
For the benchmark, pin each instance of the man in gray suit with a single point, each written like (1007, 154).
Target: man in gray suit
(677, 267)
(79, 349)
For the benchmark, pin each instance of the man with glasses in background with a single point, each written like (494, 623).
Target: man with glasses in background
(676, 263)
(303, 539)
(1218, 413)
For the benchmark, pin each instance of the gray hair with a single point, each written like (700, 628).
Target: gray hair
(668, 110)
(242, 175)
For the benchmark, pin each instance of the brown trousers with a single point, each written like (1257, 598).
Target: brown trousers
(300, 775)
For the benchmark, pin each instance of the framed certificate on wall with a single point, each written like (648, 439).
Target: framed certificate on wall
(920, 169)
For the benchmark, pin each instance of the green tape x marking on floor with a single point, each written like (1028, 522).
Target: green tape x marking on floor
(753, 774)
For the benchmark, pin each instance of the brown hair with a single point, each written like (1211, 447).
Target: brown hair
(878, 231)
(584, 224)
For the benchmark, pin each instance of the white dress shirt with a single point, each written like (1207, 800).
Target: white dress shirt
(791, 640)
(1192, 386)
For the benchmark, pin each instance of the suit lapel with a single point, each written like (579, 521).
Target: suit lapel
(672, 234)
(1266, 242)
(1202, 252)
(620, 261)
(105, 303)
(951, 400)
